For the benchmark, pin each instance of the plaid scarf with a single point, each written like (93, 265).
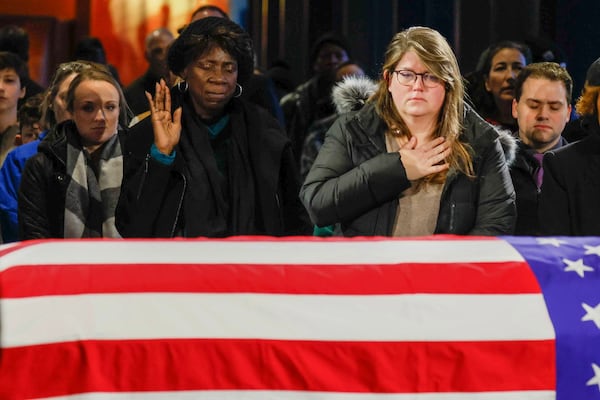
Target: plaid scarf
(91, 200)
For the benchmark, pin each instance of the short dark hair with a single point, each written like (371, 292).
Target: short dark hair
(10, 60)
(15, 39)
(90, 49)
(31, 111)
(207, 33)
(544, 70)
(329, 37)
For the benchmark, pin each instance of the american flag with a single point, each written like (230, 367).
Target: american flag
(440, 317)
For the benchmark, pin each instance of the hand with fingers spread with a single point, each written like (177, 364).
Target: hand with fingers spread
(425, 160)
(166, 125)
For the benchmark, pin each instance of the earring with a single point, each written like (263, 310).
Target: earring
(238, 86)
(182, 86)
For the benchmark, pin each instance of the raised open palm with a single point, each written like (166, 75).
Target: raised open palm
(166, 125)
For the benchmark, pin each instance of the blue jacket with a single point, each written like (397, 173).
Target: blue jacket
(10, 179)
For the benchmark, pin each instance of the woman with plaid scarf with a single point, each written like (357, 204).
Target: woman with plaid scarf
(70, 188)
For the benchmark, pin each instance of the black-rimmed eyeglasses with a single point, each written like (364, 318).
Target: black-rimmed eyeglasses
(407, 77)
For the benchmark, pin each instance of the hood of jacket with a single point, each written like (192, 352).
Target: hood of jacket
(508, 141)
(352, 93)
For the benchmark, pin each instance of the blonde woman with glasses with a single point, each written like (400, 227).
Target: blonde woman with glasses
(415, 160)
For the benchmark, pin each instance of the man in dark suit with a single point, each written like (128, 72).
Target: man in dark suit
(570, 196)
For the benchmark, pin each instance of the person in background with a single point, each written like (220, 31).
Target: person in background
(569, 201)
(70, 188)
(280, 73)
(414, 160)
(12, 71)
(91, 49)
(352, 90)
(343, 104)
(259, 89)
(30, 120)
(491, 87)
(311, 100)
(156, 47)
(208, 163)
(542, 107)
(54, 111)
(15, 39)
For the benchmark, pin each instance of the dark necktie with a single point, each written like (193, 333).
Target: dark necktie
(539, 175)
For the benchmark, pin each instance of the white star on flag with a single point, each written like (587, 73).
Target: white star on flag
(592, 250)
(551, 241)
(577, 266)
(596, 379)
(592, 314)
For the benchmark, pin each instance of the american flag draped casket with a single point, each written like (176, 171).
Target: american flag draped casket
(253, 318)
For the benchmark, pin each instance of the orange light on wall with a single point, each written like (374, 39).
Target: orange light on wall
(62, 9)
(122, 26)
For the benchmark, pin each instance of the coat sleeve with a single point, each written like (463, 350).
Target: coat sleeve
(496, 209)
(553, 207)
(10, 177)
(146, 183)
(33, 207)
(344, 183)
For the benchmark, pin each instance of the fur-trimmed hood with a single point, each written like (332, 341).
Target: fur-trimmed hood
(352, 93)
(509, 144)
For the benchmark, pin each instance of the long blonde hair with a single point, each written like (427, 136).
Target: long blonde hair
(435, 52)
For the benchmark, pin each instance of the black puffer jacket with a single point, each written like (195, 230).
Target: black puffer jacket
(44, 185)
(356, 182)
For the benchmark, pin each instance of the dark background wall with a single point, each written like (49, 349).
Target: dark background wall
(285, 29)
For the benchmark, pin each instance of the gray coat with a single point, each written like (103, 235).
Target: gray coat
(356, 182)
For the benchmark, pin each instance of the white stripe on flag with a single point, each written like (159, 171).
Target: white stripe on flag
(424, 317)
(291, 395)
(261, 252)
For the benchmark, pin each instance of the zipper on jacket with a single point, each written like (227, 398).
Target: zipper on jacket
(146, 162)
(174, 227)
(452, 216)
(280, 210)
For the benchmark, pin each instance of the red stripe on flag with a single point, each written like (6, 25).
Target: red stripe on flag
(457, 278)
(220, 364)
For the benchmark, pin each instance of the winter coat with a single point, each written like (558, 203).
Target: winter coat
(153, 193)
(570, 197)
(10, 179)
(522, 172)
(309, 102)
(44, 183)
(346, 97)
(356, 182)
